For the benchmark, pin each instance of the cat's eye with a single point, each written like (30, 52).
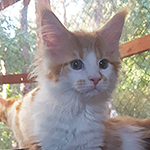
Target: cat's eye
(103, 64)
(76, 64)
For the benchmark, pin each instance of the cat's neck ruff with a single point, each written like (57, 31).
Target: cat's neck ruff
(66, 121)
(61, 93)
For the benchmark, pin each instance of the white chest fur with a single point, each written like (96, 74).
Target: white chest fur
(67, 125)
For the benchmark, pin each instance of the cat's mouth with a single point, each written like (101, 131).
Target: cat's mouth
(93, 89)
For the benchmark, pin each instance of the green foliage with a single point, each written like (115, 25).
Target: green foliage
(11, 41)
(137, 21)
(12, 91)
(132, 94)
(6, 137)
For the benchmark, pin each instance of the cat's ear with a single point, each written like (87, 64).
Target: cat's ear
(55, 36)
(110, 34)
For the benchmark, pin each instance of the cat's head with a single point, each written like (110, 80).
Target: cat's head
(87, 63)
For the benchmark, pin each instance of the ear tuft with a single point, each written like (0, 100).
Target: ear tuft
(43, 5)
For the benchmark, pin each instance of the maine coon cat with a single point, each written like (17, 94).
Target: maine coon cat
(76, 73)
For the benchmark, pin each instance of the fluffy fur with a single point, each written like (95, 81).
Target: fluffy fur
(70, 106)
(68, 111)
(127, 133)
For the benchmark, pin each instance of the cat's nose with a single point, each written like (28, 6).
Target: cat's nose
(95, 80)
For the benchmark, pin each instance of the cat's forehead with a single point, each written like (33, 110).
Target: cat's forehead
(85, 39)
(90, 59)
(88, 44)
(91, 54)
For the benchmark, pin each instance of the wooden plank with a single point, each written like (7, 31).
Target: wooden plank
(15, 79)
(135, 46)
(6, 3)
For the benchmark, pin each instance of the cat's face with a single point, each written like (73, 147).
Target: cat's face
(86, 62)
(92, 75)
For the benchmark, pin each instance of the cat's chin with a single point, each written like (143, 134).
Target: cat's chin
(90, 93)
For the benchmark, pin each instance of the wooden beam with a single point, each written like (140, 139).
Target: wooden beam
(15, 79)
(6, 3)
(135, 46)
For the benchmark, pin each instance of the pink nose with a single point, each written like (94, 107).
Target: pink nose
(95, 80)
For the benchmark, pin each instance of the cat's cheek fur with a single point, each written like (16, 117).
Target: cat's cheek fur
(108, 84)
(78, 79)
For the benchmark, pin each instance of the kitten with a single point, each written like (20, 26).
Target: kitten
(76, 73)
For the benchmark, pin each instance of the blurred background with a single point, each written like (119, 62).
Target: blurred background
(18, 42)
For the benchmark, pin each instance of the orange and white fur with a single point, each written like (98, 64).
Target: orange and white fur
(76, 73)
